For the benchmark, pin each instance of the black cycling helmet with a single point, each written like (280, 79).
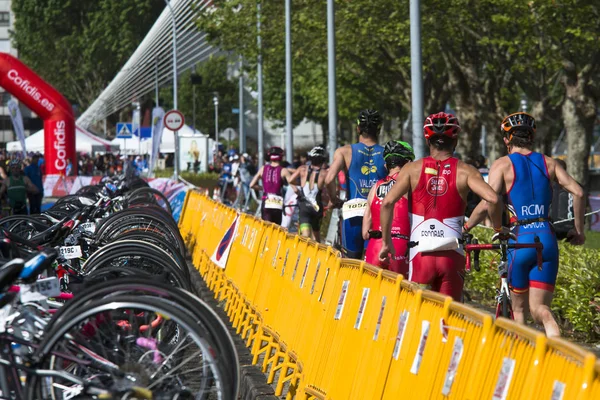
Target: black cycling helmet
(397, 152)
(317, 154)
(369, 122)
(275, 153)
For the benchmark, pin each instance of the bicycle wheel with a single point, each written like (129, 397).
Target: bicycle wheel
(141, 255)
(157, 240)
(149, 195)
(226, 354)
(113, 346)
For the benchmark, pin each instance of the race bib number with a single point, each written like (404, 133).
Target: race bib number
(88, 227)
(274, 202)
(70, 252)
(354, 208)
(40, 290)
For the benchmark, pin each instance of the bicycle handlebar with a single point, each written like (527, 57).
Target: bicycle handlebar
(501, 246)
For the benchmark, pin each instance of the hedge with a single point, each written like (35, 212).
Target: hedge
(576, 301)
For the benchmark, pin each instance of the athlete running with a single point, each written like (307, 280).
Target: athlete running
(310, 202)
(525, 178)
(439, 185)
(396, 154)
(364, 166)
(272, 176)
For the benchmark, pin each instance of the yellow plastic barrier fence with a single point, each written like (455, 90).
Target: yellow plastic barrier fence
(331, 328)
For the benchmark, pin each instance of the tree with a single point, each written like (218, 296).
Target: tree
(79, 46)
(214, 73)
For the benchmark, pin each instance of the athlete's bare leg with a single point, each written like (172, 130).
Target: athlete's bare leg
(520, 306)
(306, 231)
(539, 302)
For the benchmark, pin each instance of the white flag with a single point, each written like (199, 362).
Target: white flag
(158, 115)
(135, 123)
(17, 120)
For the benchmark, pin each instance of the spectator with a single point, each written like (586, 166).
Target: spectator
(561, 208)
(69, 169)
(16, 187)
(34, 173)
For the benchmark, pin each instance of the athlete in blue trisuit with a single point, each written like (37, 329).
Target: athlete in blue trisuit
(525, 178)
(364, 166)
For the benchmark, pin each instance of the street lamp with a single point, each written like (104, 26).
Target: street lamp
(216, 103)
(176, 169)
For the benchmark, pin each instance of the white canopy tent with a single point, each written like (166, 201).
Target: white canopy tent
(167, 144)
(84, 141)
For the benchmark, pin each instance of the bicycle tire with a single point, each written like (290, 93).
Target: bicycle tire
(150, 195)
(189, 302)
(157, 306)
(157, 260)
(110, 231)
(157, 240)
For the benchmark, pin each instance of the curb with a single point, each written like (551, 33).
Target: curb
(253, 383)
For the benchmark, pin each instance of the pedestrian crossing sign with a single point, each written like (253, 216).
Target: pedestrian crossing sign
(124, 130)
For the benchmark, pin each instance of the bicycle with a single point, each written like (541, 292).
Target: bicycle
(504, 305)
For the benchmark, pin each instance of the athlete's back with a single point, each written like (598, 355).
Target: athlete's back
(365, 169)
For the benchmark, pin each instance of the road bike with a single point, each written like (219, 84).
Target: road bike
(503, 300)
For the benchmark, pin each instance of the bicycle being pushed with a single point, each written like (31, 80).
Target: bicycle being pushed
(503, 299)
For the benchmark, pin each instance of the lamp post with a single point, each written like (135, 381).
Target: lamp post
(176, 169)
(216, 103)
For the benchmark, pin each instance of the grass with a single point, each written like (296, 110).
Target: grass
(592, 240)
(206, 180)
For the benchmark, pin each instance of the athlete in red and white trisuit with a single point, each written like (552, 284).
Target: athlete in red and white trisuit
(396, 154)
(439, 185)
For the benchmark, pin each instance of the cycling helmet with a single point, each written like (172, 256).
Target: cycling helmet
(369, 121)
(317, 153)
(275, 154)
(15, 163)
(441, 124)
(519, 121)
(398, 148)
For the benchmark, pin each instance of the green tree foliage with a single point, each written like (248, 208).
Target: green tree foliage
(214, 73)
(481, 56)
(79, 46)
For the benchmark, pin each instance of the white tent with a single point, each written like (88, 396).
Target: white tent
(167, 144)
(84, 140)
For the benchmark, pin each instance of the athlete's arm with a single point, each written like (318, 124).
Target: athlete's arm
(400, 188)
(254, 183)
(336, 166)
(367, 218)
(488, 193)
(31, 188)
(295, 175)
(569, 184)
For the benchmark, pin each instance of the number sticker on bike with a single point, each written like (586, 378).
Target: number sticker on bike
(40, 290)
(70, 252)
(88, 227)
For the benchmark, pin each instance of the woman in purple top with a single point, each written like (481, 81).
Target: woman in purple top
(272, 175)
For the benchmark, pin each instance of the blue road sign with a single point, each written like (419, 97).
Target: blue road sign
(124, 130)
(235, 110)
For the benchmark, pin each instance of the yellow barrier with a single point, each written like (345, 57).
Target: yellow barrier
(332, 328)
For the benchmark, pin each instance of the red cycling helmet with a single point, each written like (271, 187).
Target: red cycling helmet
(441, 124)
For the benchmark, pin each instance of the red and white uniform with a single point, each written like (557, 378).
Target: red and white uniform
(436, 217)
(400, 229)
